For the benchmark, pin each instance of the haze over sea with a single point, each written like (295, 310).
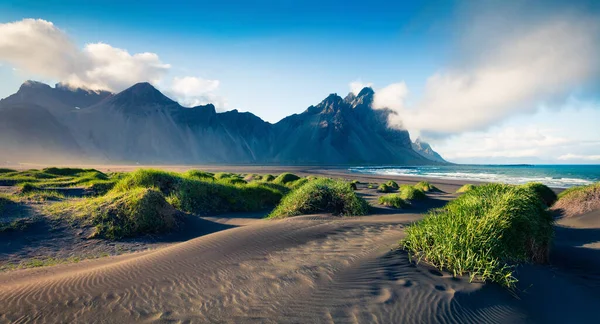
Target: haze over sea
(558, 176)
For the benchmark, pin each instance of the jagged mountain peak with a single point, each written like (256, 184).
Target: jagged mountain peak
(365, 92)
(142, 124)
(140, 95)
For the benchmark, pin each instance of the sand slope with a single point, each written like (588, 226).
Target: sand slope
(307, 269)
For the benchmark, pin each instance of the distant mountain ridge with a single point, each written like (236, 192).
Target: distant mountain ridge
(141, 125)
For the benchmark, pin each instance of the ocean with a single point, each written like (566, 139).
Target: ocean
(559, 176)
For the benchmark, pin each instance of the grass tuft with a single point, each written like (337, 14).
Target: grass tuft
(484, 233)
(321, 196)
(578, 200)
(466, 188)
(116, 215)
(426, 187)
(268, 178)
(407, 192)
(384, 188)
(284, 178)
(393, 200)
(200, 175)
(392, 184)
(546, 194)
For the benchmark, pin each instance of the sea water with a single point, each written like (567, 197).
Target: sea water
(559, 176)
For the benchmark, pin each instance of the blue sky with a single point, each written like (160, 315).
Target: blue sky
(275, 58)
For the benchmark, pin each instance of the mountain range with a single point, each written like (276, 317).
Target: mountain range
(48, 124)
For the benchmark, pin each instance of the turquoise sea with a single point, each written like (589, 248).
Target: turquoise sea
(559, 176)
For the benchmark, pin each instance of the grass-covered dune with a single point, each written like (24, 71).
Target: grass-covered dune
(407, 192)
(426, 187)
(546, 194)
(466, 188)
(32, 180)
(578, 200)
(126, 213)
(205, 196)
(484, 233)
(322, 196)
(393, 200)
(145, 201)
(384, 188)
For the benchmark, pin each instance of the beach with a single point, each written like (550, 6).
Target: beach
(306, 269)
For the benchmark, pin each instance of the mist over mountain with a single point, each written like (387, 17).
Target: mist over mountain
(141, 125)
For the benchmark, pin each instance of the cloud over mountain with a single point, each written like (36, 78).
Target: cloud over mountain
(39, 47)
(506, 67)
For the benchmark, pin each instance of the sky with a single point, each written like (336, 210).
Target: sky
(481, 81)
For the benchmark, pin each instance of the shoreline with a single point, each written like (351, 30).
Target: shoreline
(337, 171)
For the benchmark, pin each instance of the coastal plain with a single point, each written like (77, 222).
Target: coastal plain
(243, 268)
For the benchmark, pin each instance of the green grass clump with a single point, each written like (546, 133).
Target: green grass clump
(579, 191)
(252, 177)
(407, 192)
(546, 194)
(164, 181)
(58, 178)
(286, 177)
(204, 196)
(426, 187)
(321, 196)
(353, 185)
(296, 183)
(393, 200)
(268, 178)
(215, 198)
(5, 170)
(392, 184)
(466, 188)
(227, 175)
(134, 212)
(232, 181)
(578, 200)
(201, 175)
(72, 172)
(484, 233)
(372, 185)
(384, 188)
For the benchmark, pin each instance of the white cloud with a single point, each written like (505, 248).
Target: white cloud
(194, 91)
(40, 48)
(507, 142)
(570, 156)
(392, 96)
(540, 63)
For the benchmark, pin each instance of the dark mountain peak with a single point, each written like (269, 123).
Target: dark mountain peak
(208, 107)
(425, 150)
(140, 95)
(350, 98)
(366, 91)
(142, 89)
(332, 103)
(365, 96)
(33, 85)
(332, 98)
